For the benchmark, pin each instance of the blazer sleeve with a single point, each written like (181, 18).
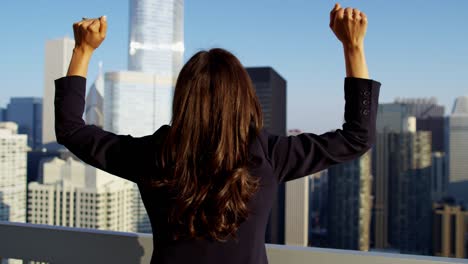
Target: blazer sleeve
(293, 157)
(116, 154)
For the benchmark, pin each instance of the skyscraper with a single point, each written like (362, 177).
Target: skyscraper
(58, 53)
(402, 186)
(13, 149)
(156, 43)
(349, 204)
(458, 176)
(27, 113)
(270, 88)
(136, 103)
(94, 108)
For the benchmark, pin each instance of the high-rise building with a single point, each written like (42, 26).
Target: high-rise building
(74, 194)
(458, 155)
(349, 204)
(297, 212)
(402, 182)
(58, 53)
(136, 103)
(270, 88)
(422, 107)
(13, 149)
(27, 113)
(297, 209)
(439, 175)
(449, 230)
(156, 43)
(94, 108)
(318, 209)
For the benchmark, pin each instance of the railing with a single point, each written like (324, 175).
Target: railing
(57, 244)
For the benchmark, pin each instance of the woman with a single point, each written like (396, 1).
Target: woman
(209, 180)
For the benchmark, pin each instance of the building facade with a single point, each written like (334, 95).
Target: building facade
(74, 194)
(458, 155)
(27, 113)
(13, 148)
(58, 53)
(156, 43)
(450, 223)
(349, 204)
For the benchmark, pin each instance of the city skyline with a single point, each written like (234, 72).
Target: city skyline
(409, 59)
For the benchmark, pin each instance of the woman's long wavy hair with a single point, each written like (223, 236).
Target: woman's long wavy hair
(205, 157)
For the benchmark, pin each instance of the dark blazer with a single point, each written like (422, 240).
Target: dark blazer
(278, 159)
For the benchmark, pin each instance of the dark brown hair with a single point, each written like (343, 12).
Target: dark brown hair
(205, 156)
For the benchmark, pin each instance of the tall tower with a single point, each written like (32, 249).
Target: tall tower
(350, 202)
(270, 88)
(156, 43)
(27, 113)
(12, 173)
(94, 109)
(58, 53)
(458, 179)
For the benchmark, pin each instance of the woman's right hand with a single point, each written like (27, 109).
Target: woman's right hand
(349, 25)
(90, 33)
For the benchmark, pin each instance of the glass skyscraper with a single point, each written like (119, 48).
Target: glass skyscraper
(156, 42)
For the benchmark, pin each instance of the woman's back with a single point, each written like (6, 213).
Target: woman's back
(209, 180)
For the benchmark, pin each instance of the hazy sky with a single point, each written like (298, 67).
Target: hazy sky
(414, 48)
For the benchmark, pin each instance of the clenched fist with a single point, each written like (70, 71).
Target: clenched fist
(90, 33)
(349, 25)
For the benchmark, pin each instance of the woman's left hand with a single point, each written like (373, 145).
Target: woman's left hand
(90, 33)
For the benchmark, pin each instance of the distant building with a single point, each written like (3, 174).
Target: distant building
(136, 103)
(156, 33)
(94, 108)
(458, 155)
(58, 53)
(402, 186)
(439, 175)
(270, 89)
(27, 113)
(13, 149)
(2, 114)
(349, 204)
(77, 195)
(449, 230)
(318, 209)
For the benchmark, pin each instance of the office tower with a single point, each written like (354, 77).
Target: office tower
(422, 107)
(297, 208)
(437, 125)
(458, 176)
(136, 103)
(94, 108)
(13, 149)
(450, 223)
(156, 43)
(318, 208)
(402, 182)
(409, 198)
(349, 204)
(77, 195)
(57, 58)
(27, 113)
(439, 176)
(270, 88)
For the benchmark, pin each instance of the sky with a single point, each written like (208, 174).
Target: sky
(414, 48)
